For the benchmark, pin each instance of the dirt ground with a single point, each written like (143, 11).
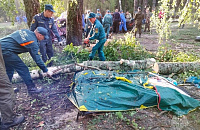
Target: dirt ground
(51, 110)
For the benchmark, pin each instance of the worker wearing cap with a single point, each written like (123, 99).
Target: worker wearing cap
(45, 20)
(97, 32)
(22, 41)
(107, 22)
(99, 16)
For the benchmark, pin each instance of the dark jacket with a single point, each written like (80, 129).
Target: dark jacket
(40, 21)
(22, 41)
(138, 18)
(116, 17)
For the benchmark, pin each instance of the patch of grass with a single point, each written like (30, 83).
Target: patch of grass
(186, 35)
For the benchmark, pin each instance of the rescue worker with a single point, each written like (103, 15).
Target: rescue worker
(8, 118)
(22, 41)
(99, 16)
(107, 23)
(45, 20)
(116, 20)
(138, 22)
(123, 22)
(88, 24)
(97, 32)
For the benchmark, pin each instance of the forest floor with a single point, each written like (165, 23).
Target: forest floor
(51, 110)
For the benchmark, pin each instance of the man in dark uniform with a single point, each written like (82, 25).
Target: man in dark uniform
(8, 118)
(22, 41)
(138, 22)
(99, 16)
(107, 23)
(45, 20)
(116, 21)
(97, 32)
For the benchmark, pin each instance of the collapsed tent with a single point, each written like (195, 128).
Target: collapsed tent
(98, 91)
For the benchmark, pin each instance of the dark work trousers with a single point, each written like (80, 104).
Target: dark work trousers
(99, 46)
(13, 62)
(6, 93)
(107, 29)
(138, 28)
(115, 27)
(46, 50)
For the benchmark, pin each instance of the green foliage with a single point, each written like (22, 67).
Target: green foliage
(165, 53)
(70, 53)
(126, 48)
(185, 57)
(8, 6)
(57, 5)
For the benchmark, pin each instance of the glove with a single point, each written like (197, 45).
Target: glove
(49, 73)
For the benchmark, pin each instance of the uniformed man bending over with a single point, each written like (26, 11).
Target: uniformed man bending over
(97, 32)
(22, 41)
(45, 20)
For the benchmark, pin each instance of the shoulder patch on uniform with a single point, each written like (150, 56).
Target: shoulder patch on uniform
(33, 21)
(96, 30)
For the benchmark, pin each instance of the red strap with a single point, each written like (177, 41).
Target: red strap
(159, 97)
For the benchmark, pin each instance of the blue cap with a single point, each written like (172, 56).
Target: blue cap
(49, 7)
(43, 31)
(98, 9)
(92, 15)
(108, 11)
(121, 10)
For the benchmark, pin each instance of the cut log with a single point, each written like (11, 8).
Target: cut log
(125, 65)
(122, 65)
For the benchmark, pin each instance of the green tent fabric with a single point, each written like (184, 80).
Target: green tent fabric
(98, 91)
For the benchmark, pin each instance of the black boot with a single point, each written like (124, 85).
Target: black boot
(17, 120)
(139, 35)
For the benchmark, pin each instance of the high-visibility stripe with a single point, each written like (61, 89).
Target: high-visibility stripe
(26, 43)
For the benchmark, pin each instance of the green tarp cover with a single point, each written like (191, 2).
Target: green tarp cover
(99, 91)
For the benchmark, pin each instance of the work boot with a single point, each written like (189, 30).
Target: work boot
(17, 120)
(33, 90)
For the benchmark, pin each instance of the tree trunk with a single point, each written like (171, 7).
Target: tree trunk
(120, 5)
(74, 22)
(32, 7)
(135, 6)
(154, 5)
(125, 65)
(122, 65)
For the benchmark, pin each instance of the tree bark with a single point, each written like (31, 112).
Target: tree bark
(122, 65)
(135, 6)
(74, 22)
(32, 7)
(125, 65)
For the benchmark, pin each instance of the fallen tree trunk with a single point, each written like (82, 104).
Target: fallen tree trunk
(99, 65)
(122, 65)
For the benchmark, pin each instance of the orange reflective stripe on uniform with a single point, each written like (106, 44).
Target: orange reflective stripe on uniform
(26, 43)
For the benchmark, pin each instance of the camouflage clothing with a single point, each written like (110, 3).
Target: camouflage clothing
(138, 22)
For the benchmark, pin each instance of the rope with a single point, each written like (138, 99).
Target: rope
(159, 97)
